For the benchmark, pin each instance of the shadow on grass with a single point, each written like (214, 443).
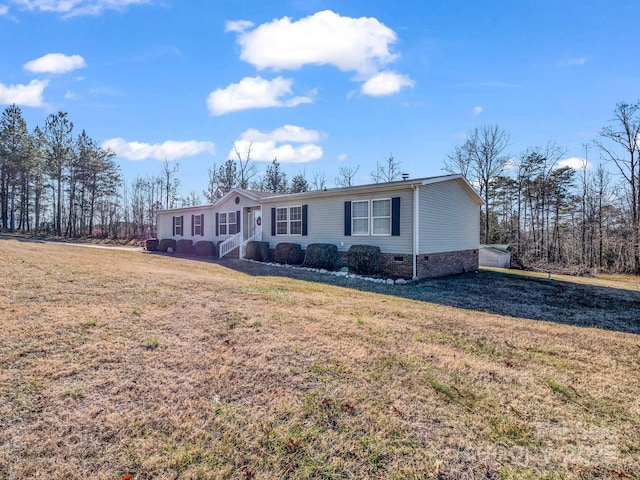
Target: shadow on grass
(496, 293)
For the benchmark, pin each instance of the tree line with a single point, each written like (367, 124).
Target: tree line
(553, 215)
(55, 181)
(51, 180)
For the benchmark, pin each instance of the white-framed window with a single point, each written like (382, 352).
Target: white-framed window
(295, 220)
(177, 225)
(227, 223)
(282, 224)
(289, 220)
(371, 217)
(222, 224)
(360, 218)
(197, 225)
(233, 223)
(381, 217)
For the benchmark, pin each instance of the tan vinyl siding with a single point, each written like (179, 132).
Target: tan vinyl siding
(449, 218)
(326, 223)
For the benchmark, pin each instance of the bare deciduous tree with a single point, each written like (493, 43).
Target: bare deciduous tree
(619, 144)
(171, 184)
(319, 181)
(386, 171)
(246, 170)
(346, 175)
(480, 159)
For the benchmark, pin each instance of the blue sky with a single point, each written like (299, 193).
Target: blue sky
(318, 84)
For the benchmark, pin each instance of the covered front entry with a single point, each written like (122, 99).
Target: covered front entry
(250, 229)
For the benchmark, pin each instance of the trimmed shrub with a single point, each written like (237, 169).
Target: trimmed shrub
(364, 259)
(184, 246)
(258, 251)
(321, 255)
(204, 248)
(289, 253)
(165, 243)
(151, 244)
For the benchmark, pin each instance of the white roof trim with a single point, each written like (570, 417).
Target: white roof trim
(236, 191)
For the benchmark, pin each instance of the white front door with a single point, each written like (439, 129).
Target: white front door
(255, 222)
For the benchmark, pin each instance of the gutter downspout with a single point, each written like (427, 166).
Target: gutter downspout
(416, 228)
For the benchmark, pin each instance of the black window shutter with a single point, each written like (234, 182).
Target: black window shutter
(304, 220)
(347, 219)
(182, 226)
(273, 222)
(395, 216)
(174, 226)
(202, 225)
(217, 224)
(193, 224)
(238, 221)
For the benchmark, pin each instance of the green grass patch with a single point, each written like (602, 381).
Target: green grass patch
(91, 322)
(76, 391)
(153, 343)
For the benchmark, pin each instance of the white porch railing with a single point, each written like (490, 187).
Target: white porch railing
(257, 236)
(229, 244)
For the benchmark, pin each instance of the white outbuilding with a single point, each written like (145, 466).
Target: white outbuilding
(495, 255)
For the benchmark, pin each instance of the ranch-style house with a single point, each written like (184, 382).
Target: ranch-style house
(424, 227)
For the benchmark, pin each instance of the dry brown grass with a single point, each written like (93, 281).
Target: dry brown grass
(114, 362)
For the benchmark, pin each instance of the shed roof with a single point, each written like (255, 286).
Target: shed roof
(497, 247)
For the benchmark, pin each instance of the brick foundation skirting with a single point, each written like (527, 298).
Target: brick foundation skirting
(397, 265)
(447, 263)
(400, 265)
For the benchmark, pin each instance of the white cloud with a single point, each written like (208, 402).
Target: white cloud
(576, 163)
(265, 146)
(72, 8)
(4, 9)
(237, 26)
(342, 157)
(359, 45)
(170, 149)
(287, 133)
(477, 110)
(573, 62)
(386, 83)
(28, 95)
(55, 63)
(254, 92)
